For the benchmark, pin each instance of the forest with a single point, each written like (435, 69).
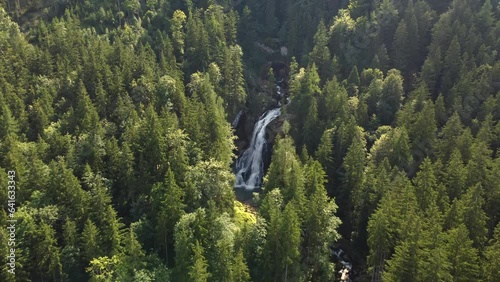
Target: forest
(125, 125)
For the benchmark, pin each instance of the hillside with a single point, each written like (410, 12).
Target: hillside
(250, 140)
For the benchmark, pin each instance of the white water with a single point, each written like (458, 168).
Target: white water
(339, 254)
(250, 166)
(346, 266)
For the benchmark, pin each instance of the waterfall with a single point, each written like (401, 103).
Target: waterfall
(250, 165)
(346, 266)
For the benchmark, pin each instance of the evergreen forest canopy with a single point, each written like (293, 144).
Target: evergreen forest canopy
(115, 117)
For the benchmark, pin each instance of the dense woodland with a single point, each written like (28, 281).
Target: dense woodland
(115, 116)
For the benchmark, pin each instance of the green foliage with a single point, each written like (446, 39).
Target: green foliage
(233, 93)
(198, 271)
(491, 257)
(90, 241)
(320, 224)
(391, 97)
(114, 116)
(210, 181)
(286, 172)
(320, 54)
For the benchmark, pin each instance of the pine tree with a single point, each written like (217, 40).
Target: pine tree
(90, 241)
(325, 150)
(133, 256)
(353, 82)
(379, 241)
(303, 88)
(486, 16)
(8, 124)
(312, 127)
(65, 190)
(319, 226)
(320, 54)
(150, 146)
(449, 135)
(434, 264)
(198, 272)
(234, 93)
(455, 175)
(404, 263)
(282, 245)
(290, 232)
(178, 20)
(354, 166)
(85, 115)
(426, 185)
(70, 254)
(492, 259)
(47, 253)
(240, 268)
(401, 45)
(473, 215)
(216, 140)
(169, 208)
(196, 43)
(431, 70)
(440, 111)
(451, 69)
(285, 172)
(464, 260)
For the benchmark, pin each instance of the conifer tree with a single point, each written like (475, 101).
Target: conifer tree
(452, 65)
(325, 150)
(379, 241)
(426, 186)
(319, 226)
(404, 264)
(47, 253)
(463, 257)
(90, 241)
(234, 93)
(492, 260)
(401, 46)
(285, 172)
(320, 54)
(434, 264)
(353, 82)
(455, 175)
(312, 126)
(431, 70)
(169, 208)
(178, 20)
(240, 268)
(85, 115)
(198, 271)
(354, 165)
(473, 215)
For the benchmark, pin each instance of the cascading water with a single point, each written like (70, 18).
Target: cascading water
(250, 164)
(346, 266)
